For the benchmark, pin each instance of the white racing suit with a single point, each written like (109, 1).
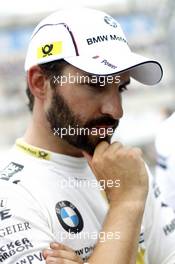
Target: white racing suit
(46, 197)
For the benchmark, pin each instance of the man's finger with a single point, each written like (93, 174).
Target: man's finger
(64, 254)
(53, 260)
(101, 147)
(55, 245)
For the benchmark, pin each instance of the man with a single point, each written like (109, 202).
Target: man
(165, 169)
(78, 63)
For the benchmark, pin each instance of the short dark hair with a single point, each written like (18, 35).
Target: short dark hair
(50, 69)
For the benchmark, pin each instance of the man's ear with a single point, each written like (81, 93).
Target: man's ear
(37, 82)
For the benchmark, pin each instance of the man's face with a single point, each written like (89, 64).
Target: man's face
(86, 108)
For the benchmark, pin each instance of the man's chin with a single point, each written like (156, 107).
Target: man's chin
(92, 143)
(87, 144)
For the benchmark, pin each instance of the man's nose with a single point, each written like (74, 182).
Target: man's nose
(112, 105)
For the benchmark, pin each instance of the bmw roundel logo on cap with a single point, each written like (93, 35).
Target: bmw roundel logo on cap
(69, 217)
(110, 21)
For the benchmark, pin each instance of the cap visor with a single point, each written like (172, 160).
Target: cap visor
(142, 69)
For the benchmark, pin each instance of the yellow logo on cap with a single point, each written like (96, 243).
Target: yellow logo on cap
(50, 49)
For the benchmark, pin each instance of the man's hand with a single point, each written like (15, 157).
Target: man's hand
(60, 253)
(116, 162)
(127, 201)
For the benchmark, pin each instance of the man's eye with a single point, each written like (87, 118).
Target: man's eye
(122, 88)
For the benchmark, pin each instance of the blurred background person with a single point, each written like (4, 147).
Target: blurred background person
(165, 169)
(165, 140)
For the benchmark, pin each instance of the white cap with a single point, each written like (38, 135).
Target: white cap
(90, 40)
